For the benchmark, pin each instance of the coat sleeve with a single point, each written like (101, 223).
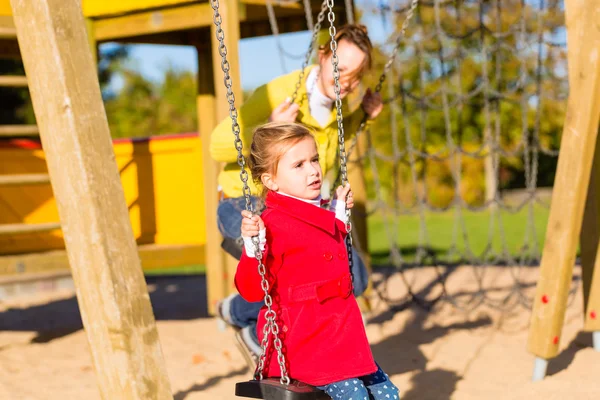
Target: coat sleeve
(248, 280)
(341, 227)
(256, 110)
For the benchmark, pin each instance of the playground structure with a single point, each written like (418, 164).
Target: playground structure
(118, 253)
(162, 193)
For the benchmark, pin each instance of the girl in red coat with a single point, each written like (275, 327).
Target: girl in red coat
(305, 255)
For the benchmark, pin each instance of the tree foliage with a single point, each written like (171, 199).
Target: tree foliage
(146, 108)
(470, 76)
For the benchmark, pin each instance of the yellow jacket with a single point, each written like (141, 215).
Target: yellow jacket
(257, 109)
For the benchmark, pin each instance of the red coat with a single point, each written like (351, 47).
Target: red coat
(320, 324)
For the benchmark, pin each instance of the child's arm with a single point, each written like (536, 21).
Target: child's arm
(342, 200)
(247, 279)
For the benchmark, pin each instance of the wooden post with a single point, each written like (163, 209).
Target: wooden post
(207, 120)
(590, 259)
(229, 10)
(590, 228)
(89, 26)
(570, 186)
(111, 290)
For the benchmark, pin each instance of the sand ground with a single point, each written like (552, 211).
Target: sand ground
(475, 349)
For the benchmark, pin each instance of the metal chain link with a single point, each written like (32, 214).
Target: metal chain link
(363, 123)
(271, 326)
(399, 40)
(340, 124)
(311, 46)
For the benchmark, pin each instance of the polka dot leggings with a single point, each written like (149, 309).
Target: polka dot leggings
(376, 386)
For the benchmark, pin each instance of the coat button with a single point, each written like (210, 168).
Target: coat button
(328, 256)
(342, 256)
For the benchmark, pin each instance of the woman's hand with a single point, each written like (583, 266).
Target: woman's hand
(251, 224)
(285, 112)
(345, 194)
(372, 104)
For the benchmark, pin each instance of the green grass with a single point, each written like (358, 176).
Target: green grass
(440, 226)
(195, 269)
(440, 233)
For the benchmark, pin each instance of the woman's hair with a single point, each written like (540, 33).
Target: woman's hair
(358, 36)
(269, 143)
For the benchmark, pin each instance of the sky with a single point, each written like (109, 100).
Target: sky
(259, 57)
(260, 60)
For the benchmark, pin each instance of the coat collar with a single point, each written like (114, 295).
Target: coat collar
(316, 216)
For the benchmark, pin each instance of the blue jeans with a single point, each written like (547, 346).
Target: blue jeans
(376, 386)
(229, 221)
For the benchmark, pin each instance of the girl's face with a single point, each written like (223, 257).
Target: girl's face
(350, 61)
(298, 171)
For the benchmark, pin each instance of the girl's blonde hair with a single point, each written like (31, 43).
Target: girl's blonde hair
(269, 144)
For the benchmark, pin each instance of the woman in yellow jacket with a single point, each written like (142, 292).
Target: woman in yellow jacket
(315, 108)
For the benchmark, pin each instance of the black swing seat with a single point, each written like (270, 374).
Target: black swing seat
(273, 389)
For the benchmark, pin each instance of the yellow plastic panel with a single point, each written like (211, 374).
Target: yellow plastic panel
(162, 181)
(98, 8)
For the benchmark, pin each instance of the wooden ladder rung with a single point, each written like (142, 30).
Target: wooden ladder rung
(8, 32)
(19, 130)
(13, 81)
(7, 28)
(24, 179)
(16, 229)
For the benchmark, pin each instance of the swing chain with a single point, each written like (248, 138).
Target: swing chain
(270, 315)
(409, 15)
(315, 32)
(340, 123)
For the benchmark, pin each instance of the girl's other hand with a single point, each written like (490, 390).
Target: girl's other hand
(251, 224)
(346, 195)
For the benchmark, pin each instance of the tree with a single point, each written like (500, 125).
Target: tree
(16, 103)
(473, 74)
(112, 58)
(144, 108)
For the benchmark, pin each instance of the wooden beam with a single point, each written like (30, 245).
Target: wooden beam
(13, 81)
(192, 16)
(111, 290)
(152, 256)
(169, 38)
(7, 28)
(91, 35)
(24, 179)
(19, 130)
(20, 229)
(293, 4)
(95, 8)
(229, 11)
(590, 259)
(207, 120)
(570, 187)
(171, 19)
(590, 229)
